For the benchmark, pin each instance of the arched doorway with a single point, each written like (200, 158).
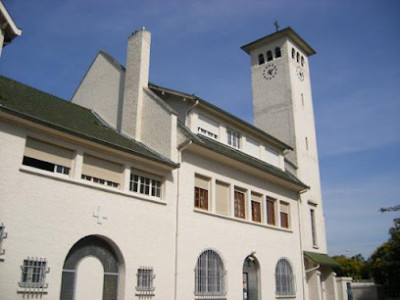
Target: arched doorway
(251, 267)
(90, 266)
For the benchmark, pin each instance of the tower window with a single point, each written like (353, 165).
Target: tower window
(293, 53)
(269, 55)
(302, 61)
(297, 57)
(307, 144)
(261, 59)
(278, 52)
(302, 99)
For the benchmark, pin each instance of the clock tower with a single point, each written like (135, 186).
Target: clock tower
(282, 107)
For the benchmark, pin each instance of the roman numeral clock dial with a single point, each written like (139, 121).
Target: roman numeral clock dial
(270, 71)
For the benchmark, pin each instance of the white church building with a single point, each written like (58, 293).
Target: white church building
(136, 191)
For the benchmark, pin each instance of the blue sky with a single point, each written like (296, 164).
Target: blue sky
(196, 49)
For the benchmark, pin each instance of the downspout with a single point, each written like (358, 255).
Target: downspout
(177, 218)
(301, 244)
(313, 269)
(190, 109)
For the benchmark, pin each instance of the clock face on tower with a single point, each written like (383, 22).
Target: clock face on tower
(270, 71)
(300, 73)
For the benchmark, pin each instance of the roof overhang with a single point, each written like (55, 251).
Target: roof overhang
(321, 259)
(287, 32)
(8, 25)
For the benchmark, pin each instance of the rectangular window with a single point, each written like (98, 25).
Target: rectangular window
(256, 207)
(233, 138)
(255, 211)
(271, 211)
(240, 208)
(47, 157)
(33, 273)
(222, 198)
(252, 147)
(313, 228)
(201, 187)
(145, 184)
(208, 127)
(101, 171)
(272, 156)
(284, 214)
(145, 280)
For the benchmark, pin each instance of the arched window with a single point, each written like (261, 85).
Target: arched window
(278, 52)
(209, 275)
(302, 61)
(269, 55)
(298, 57)
(284, 278)
(293, 53)
(261, 59)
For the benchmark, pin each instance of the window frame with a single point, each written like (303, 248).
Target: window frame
(271, 211)
(313, 228)
(256, 215)
(145, 184)
(233, 138)
(33, 273)
(285, 283)
(269, 55)
(239, 203)
(284, 217)
(278, 52)
(261, 59)
(200, 198)
(209, 275)
(145, 280)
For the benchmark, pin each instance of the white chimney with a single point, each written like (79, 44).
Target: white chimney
(136, 79)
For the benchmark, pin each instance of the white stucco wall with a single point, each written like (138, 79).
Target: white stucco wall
(101, 89)
(232, 238)
(46, 214)
(158, 126)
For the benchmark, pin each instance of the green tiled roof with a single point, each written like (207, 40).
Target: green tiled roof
(32, 104)
(240, 156)
(321, 259)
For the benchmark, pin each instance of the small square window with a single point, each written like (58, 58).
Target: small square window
(145, 278)
(33, 273)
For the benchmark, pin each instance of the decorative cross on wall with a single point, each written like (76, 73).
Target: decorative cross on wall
(99, 215)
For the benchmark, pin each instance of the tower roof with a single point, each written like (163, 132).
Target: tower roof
(286, 32)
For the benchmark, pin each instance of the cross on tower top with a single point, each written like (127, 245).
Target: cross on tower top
(276, 25)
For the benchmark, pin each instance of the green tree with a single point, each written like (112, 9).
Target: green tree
(355, 267)
(385, 261)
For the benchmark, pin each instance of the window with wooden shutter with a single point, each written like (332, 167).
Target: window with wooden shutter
(240, 208)
(222, 196)
(47, 157)
(256, 207)
(201, 187)
(284, 213)
(271, 211)
(101, 171)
